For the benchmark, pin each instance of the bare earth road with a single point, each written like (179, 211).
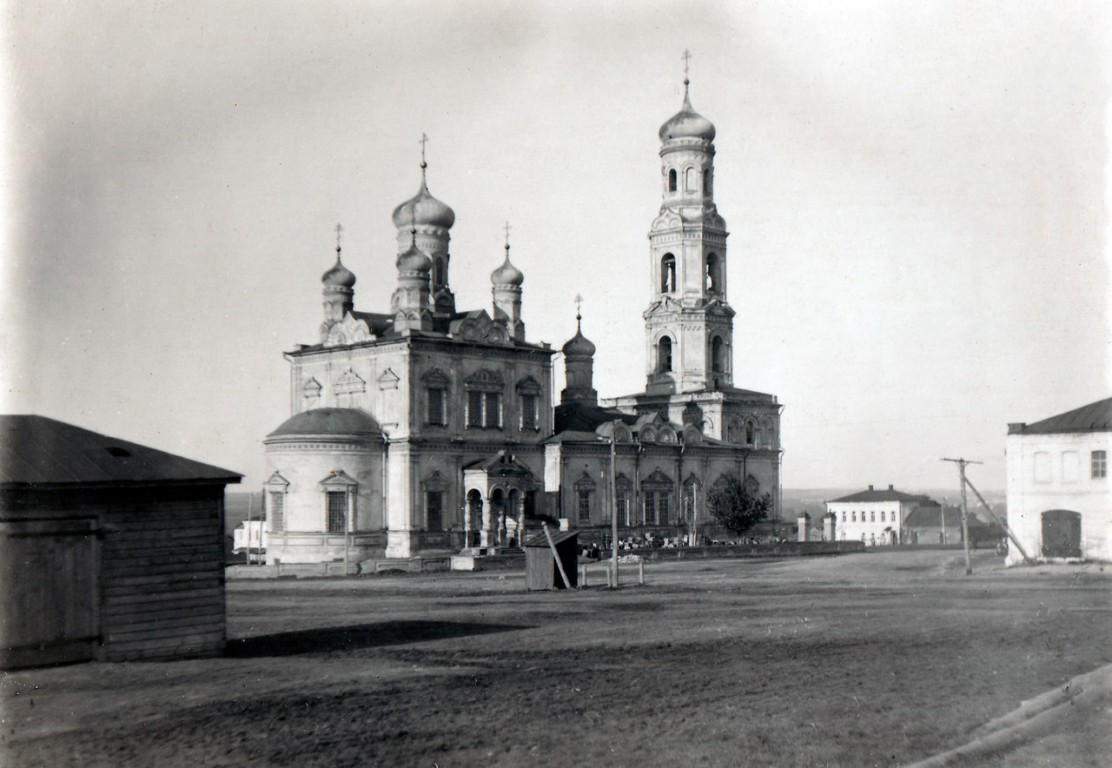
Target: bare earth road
(872, 659)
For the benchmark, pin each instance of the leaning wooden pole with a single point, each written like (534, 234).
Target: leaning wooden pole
(1000, 522)
(556, 556)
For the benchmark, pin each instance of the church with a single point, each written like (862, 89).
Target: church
(430, 429)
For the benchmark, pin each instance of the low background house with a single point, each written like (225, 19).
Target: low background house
(1059, 493)
(874, 517)
(109, 550)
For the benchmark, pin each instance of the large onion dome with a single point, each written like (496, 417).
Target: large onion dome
(424, 210)
(578, 346)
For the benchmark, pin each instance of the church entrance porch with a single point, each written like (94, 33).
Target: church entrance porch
(500, 494)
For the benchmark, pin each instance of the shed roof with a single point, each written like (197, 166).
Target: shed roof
(39, 451)
(557, 537)
(1094, 417)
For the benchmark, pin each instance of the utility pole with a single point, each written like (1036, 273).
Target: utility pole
(614, 505)
(965, 512)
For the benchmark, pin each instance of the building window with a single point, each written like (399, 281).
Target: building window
(337, 511)
(583, 505)
(434, 510)
(662, 508)
(668, 273)
(717, 356)
(1042, 467)
(673, 180)
(706, 182)
(277, 511)
(650, 507)
(872, 516)
(436, 409)
(664, 355)
(712, 273)
(854, 516)
(474, 409)
(528, 413)
(844, 513)
(492, 418)
(1099, 464)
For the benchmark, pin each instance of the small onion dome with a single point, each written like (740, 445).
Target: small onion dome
(329, 421)
(507, 274)
(423, 209)
(339, 276)
(687, 124)
(414, 259)
(579, 346)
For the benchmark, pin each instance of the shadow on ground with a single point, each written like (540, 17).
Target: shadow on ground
(358, 636)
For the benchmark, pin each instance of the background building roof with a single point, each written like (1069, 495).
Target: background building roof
(1094, 417)
(887, 495)
(329, 421)
(38, 451)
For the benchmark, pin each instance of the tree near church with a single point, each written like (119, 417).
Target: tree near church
(735, 506)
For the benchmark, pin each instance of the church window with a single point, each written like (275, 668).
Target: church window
(1099, 464)
(717, 355)
(657, 488)
(748, 433)
(706, 182)
(492, 418)
(438, 273)
(474, 409)
(673, 180)
(434, 510)
(664, 355)
(622, 488)
(583, 504)
(689, 180)
(668, 273)
(337, 511)
(712, 273)
(277, 511)
(436, 409)
(528, 413)
(650, 507)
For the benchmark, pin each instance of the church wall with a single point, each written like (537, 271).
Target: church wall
(304, 536)
(369, 377)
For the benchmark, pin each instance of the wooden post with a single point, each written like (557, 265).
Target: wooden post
(556, 556)
(964, 512)
(641, 572)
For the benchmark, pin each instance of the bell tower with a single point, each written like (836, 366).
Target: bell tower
(689, 324)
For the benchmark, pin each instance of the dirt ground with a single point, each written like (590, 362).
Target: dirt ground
(870, 659)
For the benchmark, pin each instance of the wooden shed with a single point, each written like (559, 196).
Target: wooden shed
(109, 550)
(541, 571)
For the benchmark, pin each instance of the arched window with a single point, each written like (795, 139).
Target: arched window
(664, 355)
(748, 433)
(673, 180)
(668, 273)
(717, 355)
(438, 273)
(689, 180)
(706, 183)
(711, 282)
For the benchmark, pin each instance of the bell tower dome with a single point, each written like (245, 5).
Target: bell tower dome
(689, 324)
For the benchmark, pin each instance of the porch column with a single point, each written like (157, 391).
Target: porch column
(485, 536)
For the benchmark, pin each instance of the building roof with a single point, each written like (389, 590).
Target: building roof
(328, 421)
(557, 537)
(885, 495)
(1094, 417)
(580, 416)
(37, 451)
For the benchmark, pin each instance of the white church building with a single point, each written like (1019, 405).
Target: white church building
(427, 428)
(1058, 487)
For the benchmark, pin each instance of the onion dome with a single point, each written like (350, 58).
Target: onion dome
(507, 274)
(339, 276)
(578, 345)
(424, 209)
(687, 123)
(413, 259)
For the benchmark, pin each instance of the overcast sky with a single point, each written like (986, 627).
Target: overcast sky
(916, 196)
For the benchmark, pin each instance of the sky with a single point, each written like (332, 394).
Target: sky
(917, 197)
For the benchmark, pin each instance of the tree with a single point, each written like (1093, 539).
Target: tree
(735, 507)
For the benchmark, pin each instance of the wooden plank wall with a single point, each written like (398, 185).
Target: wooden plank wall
(162, 576)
